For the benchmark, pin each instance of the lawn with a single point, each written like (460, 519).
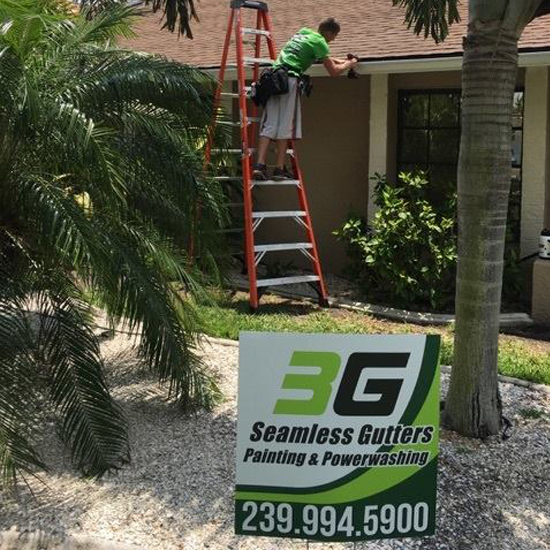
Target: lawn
(519, 357)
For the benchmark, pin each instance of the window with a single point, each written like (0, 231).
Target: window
(429, 139)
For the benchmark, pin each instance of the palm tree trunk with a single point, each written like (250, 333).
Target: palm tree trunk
(473, 404)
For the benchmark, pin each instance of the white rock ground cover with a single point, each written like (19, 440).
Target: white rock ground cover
(178, 491)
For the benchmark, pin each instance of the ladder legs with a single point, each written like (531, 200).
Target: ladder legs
(246, 166)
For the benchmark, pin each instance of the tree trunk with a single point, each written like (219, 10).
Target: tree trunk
(473, 404)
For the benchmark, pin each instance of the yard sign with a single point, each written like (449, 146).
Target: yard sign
(337, 436)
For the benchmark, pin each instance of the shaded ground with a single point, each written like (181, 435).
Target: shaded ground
(178, 491)
(536, 337)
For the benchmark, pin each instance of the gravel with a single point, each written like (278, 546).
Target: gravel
(178, 491)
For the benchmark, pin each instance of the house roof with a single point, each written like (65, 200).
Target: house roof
(371, 29)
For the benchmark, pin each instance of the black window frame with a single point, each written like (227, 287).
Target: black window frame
(515, 225)
(429, 127)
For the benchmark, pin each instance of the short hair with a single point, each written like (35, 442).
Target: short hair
(329, 25)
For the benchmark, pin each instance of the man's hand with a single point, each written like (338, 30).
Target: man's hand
(335, 67)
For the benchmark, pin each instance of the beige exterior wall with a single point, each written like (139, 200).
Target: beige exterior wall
(535, 162)
(378, 150)
(541, 270)
(334, 160)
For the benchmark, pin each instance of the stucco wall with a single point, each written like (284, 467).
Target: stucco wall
(535, 147)
(334, 159)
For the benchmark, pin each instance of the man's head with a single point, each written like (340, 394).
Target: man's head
(329, 29)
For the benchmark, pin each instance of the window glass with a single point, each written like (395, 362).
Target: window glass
(429, 140)
(414, 110)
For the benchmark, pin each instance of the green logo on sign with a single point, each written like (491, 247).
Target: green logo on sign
(380, 395)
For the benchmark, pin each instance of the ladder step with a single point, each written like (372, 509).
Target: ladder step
(236, 124)
(229, 94)
(274, 183)
(257, 31)
(229, 230)
(228, 178)
(258, 60)
(251, 61)
(282, 247)
(287, 280)
(231, 151)
(279, 214)
(239, 151)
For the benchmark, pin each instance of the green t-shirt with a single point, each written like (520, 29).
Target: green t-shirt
(302, 50)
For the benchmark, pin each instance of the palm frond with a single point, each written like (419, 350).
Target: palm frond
(144, 296)
(92, 426)
(17, 398)
(178, 13)
(111, 22)
(543, 9)
(431, 17)
(114, 79)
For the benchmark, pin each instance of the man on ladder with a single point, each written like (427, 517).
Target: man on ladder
(282, 118)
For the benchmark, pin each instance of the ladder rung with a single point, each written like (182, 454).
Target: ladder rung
(228, 178)
(281, 247)
(231, 151)
(251, 61)
(236, 95)
(257, 31)
(287, 280)
(279, 214)
(230, 230)
(234, 124)
(258, 60)
(274, 183)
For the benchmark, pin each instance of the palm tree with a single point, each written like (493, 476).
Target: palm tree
(100, 173)
(489, 74)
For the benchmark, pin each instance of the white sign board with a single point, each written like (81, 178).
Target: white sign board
(337, 436)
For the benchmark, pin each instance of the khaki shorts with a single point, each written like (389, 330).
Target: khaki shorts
(282, 116)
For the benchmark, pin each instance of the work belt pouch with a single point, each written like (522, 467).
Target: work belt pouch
(273, 81)
(305, 85)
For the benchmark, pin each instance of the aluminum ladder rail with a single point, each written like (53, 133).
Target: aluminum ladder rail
(248, 123)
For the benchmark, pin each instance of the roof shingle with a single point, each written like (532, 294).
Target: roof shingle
(371, 29)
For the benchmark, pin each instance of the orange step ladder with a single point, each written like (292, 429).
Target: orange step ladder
(248, 124)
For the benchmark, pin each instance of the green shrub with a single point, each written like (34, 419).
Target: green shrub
(408, 257)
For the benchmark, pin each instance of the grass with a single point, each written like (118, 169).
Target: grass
(517, 358)
(531, 414)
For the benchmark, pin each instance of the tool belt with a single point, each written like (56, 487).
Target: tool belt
(304, 85)
(274, 81)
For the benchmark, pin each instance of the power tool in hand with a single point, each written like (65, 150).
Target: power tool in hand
(352, 73)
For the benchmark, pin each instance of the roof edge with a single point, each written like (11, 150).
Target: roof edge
(528, 57)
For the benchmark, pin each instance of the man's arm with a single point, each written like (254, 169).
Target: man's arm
(335, 67)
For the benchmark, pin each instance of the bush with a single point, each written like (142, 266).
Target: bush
(408, 257)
